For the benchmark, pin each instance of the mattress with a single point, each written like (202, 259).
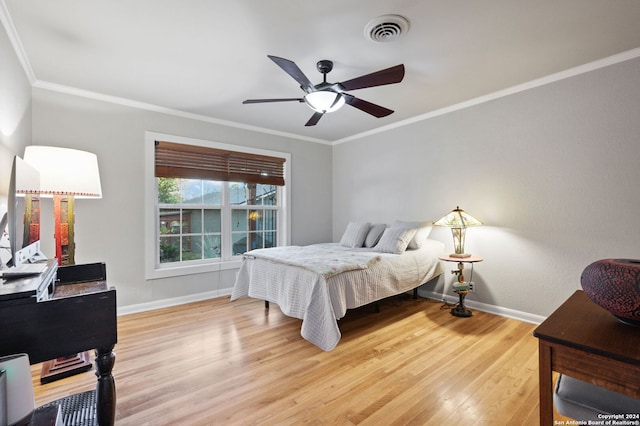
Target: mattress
(320, 300)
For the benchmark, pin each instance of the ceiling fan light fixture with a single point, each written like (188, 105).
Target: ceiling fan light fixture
(328, 97)
(324, 101)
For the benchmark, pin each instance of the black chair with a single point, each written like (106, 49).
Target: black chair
(17, 399)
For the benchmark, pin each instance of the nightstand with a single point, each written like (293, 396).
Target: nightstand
(461, 286)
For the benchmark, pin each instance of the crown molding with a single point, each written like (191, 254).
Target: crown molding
(552, 78)
(7, 23)
(163, 110)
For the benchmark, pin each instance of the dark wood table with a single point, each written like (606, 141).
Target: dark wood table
(79, 315)
(584, 341)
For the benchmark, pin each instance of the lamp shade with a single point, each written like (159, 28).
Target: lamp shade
(65, 171)
(324, 101)
(457, 218)
(27, 178)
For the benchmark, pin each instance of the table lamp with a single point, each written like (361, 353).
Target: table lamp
(65, 174)
(24, 210)
(458, 220)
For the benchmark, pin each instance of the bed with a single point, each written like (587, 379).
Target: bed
(319, 282)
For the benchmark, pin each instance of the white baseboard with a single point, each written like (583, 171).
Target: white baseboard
(491, 309)
(484, 307)
(165, 303)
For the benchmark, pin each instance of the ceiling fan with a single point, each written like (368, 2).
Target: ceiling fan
(328, 97)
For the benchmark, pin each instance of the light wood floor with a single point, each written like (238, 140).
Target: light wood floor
(235, 363)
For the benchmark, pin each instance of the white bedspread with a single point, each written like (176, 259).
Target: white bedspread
(319, 302)
(325, 259)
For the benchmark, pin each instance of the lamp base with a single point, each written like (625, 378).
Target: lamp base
(460, 255)
(60, 368)
(461, 311)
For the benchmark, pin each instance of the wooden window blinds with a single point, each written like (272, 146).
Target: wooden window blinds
(197, 162)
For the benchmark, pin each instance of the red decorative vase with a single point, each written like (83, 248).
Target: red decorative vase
(614, 284)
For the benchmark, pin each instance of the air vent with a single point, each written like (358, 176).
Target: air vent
(386, 28)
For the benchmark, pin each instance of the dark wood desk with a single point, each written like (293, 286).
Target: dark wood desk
(78, 315)
(586, 342)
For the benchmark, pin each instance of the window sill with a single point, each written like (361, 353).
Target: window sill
(177, 271)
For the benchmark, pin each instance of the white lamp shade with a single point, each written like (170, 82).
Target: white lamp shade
(27, 178)
(65, 171)
(457, 218)
(324, 101)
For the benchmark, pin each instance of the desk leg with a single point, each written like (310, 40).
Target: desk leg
(106, 388)
(545, 384)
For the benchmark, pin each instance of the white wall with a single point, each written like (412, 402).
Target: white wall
(15, 124)
(112, 229)
(15, 111)
(553, 172)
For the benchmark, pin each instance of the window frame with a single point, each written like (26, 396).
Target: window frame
(155, 270)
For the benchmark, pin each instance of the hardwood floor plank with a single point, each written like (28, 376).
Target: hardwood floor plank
(235, 363)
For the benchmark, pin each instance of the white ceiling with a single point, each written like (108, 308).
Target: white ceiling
(205, 57)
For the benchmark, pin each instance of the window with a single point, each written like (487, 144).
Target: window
(189, 219)
(254, 214)
(211, 203)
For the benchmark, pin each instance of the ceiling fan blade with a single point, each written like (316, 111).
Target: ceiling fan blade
(314, 119)
(368, 107)
(292, 69)
(378, 78)
(261, 101)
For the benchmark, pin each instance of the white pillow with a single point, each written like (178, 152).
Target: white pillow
(423, 229)
(395, 240)
(355, 234)
(374, 234)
